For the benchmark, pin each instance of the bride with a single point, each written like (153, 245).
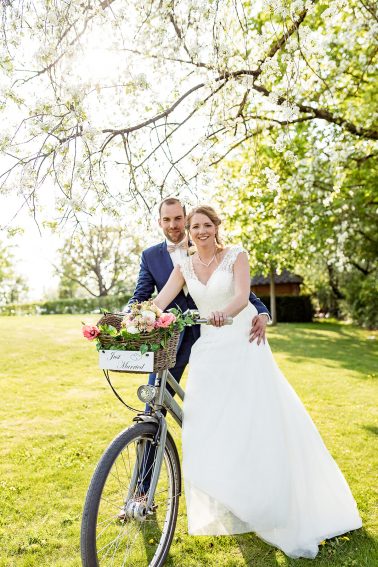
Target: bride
(253, 461)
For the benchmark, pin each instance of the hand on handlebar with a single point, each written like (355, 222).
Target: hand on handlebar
(218, 319)
(223, 319)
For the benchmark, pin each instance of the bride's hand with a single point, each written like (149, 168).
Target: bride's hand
(217, 318)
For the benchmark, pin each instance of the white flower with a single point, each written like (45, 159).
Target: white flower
(273, 98)
(289, 156)
(148, 316)
(140, 81)
(132, 329)
(272, 179)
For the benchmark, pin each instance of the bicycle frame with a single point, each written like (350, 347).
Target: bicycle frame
(162, 399)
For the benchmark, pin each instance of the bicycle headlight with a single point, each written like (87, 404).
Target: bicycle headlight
(146, 393)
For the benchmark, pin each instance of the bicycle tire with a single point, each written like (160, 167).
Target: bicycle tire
(104, 474)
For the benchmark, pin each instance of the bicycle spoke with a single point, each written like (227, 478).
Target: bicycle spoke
(126, 533)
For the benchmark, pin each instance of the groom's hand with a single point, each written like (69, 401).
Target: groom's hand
(258, 328)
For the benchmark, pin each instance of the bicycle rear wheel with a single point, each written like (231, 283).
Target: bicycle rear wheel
(136, 538)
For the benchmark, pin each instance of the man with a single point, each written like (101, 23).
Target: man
(157, 263)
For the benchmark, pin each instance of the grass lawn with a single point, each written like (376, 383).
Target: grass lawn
(58, 415)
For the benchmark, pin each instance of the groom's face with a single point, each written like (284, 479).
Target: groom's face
(172, 222)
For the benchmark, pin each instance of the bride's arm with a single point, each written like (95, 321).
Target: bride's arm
(240, 299)
(171, 289)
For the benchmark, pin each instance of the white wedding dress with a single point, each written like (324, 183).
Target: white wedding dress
(253, 461)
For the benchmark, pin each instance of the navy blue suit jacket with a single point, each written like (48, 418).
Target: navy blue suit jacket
(155, 268)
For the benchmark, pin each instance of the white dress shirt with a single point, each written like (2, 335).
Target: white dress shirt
(178, 256)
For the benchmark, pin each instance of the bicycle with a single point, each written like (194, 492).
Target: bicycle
(122, 524)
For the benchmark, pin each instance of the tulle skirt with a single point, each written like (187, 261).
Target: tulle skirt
(253, 460)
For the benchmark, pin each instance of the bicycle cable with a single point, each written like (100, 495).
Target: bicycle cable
(106, 373)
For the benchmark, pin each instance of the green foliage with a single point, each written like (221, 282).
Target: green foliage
(182, 319)
(314, 213)
(361, 299)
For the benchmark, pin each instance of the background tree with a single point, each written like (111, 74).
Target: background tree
(316, 214)
(258, 212)
(102, 260)
(13, 287)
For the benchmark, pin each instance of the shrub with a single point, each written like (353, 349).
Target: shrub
(361, 301)
(292, 308)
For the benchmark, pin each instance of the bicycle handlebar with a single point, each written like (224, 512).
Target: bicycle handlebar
(194, 314)
(203, 320)
(227, 321)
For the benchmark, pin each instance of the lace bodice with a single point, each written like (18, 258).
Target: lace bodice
(219, 289)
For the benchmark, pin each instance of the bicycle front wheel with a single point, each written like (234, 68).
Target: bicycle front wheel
(117, 530)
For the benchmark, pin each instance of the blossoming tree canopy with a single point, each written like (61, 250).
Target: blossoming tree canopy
(111, 101)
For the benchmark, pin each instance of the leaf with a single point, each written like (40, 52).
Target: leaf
(154, 347)
(143, 348)
(108, 330)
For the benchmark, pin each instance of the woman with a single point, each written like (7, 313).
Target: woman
(252, 458)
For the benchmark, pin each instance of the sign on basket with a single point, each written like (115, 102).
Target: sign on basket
(126, 360)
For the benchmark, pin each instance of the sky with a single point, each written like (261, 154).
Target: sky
(34, 253)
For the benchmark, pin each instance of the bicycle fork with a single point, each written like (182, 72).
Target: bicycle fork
(138, 509)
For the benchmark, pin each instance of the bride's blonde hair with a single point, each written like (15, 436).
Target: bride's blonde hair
(213, 216)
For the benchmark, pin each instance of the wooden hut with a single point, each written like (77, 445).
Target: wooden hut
(286, 283)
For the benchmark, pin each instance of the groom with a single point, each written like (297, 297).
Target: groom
(157, 263)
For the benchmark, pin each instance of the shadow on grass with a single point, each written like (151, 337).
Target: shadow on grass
(371, 428)
(328, 341)
(354, 549)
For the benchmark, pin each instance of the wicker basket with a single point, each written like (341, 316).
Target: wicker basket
(163, 358)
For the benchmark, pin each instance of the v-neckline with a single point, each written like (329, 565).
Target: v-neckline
(212, 273)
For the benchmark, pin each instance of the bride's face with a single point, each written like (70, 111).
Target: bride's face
(202, 230)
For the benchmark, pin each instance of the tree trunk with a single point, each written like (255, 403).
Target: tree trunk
(336, 295)
(273, 310)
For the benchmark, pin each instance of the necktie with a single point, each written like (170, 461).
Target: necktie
(181, 246)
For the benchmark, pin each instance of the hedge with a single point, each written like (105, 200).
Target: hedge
(292, 308)
(85, 305)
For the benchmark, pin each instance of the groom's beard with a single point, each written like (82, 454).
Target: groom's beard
(174, 236)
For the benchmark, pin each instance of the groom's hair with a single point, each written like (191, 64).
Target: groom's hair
(171, 201)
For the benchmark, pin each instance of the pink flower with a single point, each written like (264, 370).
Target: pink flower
(165, 320)
(90, 332)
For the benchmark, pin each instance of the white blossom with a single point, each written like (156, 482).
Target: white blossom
(272, 179)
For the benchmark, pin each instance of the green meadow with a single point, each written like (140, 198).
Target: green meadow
(58, 415)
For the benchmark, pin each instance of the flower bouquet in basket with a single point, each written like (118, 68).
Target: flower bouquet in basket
(147, 337)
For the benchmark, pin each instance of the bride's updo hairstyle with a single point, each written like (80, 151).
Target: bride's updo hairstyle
(211, 213)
